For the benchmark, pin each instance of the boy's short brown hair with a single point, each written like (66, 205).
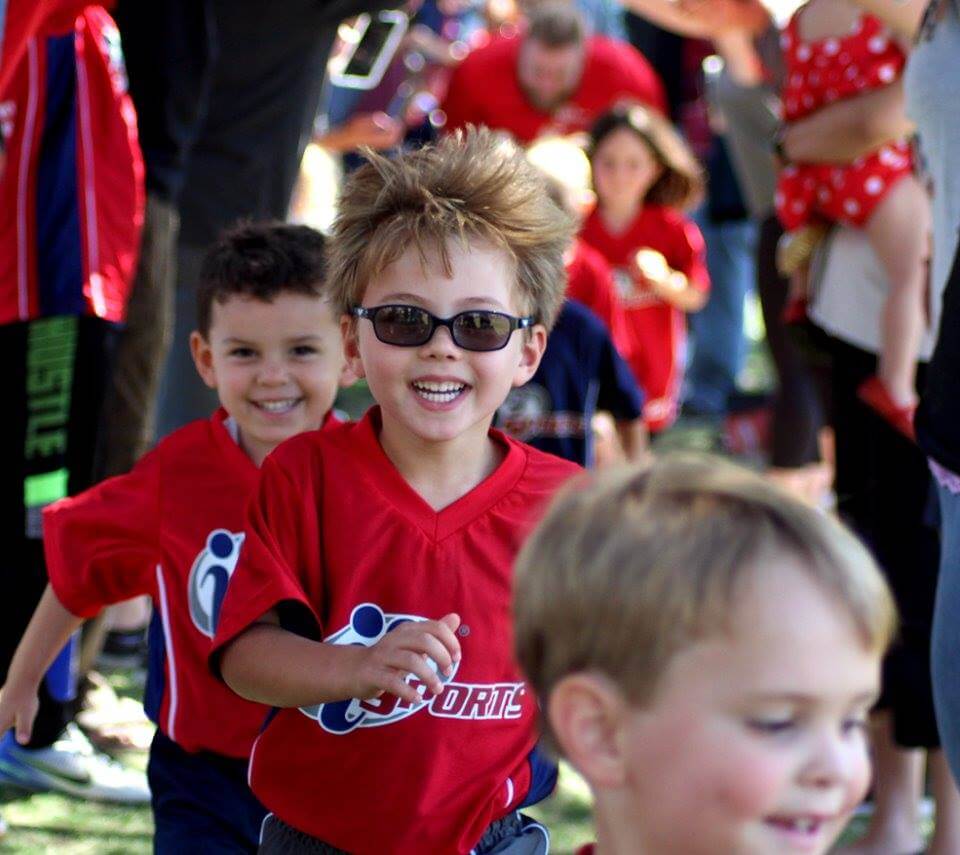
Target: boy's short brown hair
(261, 260)
(469, 186)
(625, 572)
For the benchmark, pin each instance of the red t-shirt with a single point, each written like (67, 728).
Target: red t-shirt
(657, 330)
(484, 89)
(172, 529)
(71, 194)
(346, 548)
(590, 281)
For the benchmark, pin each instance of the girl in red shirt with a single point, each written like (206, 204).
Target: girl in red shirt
(645, 176)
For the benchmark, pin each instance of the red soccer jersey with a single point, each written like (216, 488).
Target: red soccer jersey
(71, 195)
(21, 20)
(349, 549)
(484, 89)
(171, 528)
(657, 330)
(590, 281)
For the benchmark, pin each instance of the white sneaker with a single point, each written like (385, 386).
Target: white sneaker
(72, 766)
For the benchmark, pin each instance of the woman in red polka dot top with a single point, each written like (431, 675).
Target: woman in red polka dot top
(833, 51)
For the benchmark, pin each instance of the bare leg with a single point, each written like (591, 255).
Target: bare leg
(898, 233)
(946, 834)
(898, 784)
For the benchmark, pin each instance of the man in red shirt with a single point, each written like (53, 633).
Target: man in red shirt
(554, 79)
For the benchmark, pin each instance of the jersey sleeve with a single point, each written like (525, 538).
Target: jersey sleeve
(102, 546)
(595, 288)
(690, 253)
(619, 393)
(279, 566)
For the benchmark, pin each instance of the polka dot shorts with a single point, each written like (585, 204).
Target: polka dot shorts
(820, 72)
(840, 194)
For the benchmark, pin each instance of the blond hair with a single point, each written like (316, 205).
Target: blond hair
(625, 572)
(472, 186)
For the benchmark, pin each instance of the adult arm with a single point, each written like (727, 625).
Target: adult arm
(847, 129)
(702, 18)
(376, 130)
(901, 16)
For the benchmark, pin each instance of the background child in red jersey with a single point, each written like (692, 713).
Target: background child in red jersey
(706, 650)
(645, 176)
(371, 601)
(269, 343)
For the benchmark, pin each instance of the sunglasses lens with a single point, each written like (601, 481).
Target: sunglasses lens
(402, 325)
(481, 330)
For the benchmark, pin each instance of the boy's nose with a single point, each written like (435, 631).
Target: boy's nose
(440, 346)
(272, 373)
(837, 761)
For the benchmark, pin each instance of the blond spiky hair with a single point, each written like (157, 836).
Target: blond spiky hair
(472, 186)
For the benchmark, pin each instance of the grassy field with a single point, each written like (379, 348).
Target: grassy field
(48, 824)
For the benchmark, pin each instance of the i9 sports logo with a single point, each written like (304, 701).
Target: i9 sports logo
(209, 577)
(368, 624)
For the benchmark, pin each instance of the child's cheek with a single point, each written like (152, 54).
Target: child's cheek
(750, 777)
(860, 778)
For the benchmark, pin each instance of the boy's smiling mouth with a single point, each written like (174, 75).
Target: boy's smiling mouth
(278, 405)
(802, 830)
(438, 391)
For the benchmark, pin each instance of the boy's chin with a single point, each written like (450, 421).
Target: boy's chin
(440, 428)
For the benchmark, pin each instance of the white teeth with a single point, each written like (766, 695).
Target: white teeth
(438, 393)
(425, 386)
(277, 406)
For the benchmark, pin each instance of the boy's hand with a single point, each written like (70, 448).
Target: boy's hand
(18, 709)
(405, 650)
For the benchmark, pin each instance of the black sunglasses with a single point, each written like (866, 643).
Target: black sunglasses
(411, 326)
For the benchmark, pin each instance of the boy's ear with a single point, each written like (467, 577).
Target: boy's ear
(585, 712)
(202, 355)
(347, 377)
(534, 344)
(351, 349)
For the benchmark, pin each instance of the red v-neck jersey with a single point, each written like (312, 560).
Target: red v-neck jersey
(171, 528)
(337, 539)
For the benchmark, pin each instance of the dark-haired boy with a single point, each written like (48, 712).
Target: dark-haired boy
(270, 344)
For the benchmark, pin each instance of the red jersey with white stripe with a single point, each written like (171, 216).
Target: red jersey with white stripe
(21, 20)
(657, 330)
(484, 89)
(71, 195)
(172, 529)
(341, 545)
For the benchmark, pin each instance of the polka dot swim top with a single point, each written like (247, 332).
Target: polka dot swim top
(824, 70)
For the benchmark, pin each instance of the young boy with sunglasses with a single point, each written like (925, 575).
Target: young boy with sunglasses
(269, 343)
(371, 603)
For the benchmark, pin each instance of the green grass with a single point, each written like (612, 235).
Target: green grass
(49, 824)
